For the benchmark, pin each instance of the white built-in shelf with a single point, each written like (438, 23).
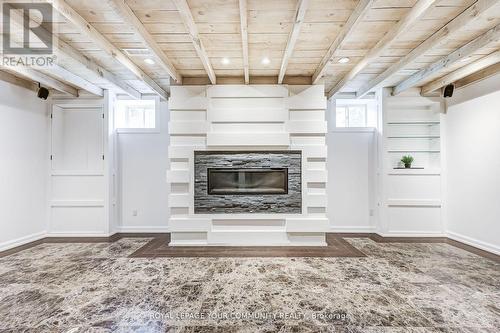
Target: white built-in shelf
(414, 137)
(414, 151)
(415, 122)
(410, 172)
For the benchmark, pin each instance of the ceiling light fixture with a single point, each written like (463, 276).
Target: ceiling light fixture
(225, 61)
(265, 61)
(149, 61)
(344, 60)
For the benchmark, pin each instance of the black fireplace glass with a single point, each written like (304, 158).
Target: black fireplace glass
(234, 181)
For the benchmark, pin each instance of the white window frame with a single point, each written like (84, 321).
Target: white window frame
(347, 106)
(155, 129)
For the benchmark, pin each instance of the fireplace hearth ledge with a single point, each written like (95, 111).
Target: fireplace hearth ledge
(250, 239)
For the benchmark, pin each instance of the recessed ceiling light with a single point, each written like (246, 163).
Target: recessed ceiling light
(344, 60)
(225, 61)
(149, 61)
(265, 61)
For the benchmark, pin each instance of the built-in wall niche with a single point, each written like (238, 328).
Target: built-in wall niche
(413, 130)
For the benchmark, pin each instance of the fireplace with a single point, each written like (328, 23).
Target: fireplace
(233, 182)
(256, 181)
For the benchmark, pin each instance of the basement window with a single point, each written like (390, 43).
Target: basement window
(351, 116)
(139, 116)
(355, 113)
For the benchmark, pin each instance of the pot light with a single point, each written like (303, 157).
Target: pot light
(225, 61)
(149, 61)
(265, 61)
(344, 60)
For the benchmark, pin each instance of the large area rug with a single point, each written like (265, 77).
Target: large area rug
(394, 287)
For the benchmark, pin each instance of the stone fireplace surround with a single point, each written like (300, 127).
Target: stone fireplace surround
(287, 203)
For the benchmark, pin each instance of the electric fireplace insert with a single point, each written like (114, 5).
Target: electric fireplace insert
(255, 181)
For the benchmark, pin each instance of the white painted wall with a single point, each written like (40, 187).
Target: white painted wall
(351, 184)
(473, 166)
(143, 163)
(24, 165)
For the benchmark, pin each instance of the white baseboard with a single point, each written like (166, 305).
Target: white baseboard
(349, 229)
(78, 234)
(411, 234)
(474, 242)
(146, 229)
(22, 240)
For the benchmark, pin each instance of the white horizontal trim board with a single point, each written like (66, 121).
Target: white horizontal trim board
(145, 229)
(414, 203)
(248, 139)
(304, 127)
(307, 97)
(179, 200)
(188, 224)
(316, 200)
(183, 152)
(178, 176)
(340, 228)
(312, 151)
(62, 173)
(22, 240)
(187, 127)
(248, 115)
(245, 91)
(77, 203)
(248, 103)
(316, 176)
(474, 242)
(188, 98)
(307, 224)
(77, 233)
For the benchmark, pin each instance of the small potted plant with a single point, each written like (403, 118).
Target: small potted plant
(407, 160)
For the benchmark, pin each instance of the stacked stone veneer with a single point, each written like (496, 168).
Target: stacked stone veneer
(205, 203)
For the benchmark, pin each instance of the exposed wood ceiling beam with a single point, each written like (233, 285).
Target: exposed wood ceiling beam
(244, 39)
(356, 16)
(43, 79)
(467, 17)
(66, 52)
(187, 18)
(63, 74)
(478, 76)
(300, 13)
(72, 16)
(128, 15)
(462, 72)
(28, 84)
(402, 26)
(492, 35)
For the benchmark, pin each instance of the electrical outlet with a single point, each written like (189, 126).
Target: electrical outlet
(134, 212)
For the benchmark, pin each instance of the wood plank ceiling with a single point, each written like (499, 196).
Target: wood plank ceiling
(216, 26)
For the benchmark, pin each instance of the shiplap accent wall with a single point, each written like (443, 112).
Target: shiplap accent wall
(248, 117)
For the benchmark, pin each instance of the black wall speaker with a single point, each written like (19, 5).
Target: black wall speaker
(448, 91)
(43, 93)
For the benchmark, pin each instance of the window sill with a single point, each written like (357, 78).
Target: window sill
(353, 130)
(137, 130)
